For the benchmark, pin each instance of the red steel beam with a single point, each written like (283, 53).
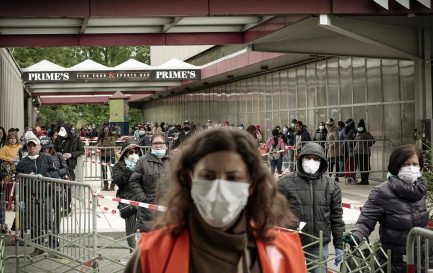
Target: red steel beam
(74, 100)
(120, 39)
(128, 8)
(90, 93)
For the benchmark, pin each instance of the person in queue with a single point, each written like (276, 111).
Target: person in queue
(183, 135)
(70, 145)
(106, 139)
(2, 136)
(398, 204)
(37, 196)
(144, 182)
(316, 200)
(122, 172)
(222, 205)
(10, 154)
(275, 149)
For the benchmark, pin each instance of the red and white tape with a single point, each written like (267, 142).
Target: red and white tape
(99, 163)
(130, 202)
(351, 206)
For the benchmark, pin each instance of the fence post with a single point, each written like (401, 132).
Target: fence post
(79, 172)
(414, 233)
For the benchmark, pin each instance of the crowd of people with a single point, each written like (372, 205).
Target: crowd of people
(222, 203)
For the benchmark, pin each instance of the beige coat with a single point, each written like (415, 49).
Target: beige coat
(332, 142)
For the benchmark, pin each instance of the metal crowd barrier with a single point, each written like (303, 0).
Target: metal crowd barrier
(361, 258)
(99, 161)
(58, 220)
(349, 159)
(423, 238)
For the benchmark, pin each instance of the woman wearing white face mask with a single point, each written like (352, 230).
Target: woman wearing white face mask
(221, 205)
(122, 172)
(398, 204)
(144, 181)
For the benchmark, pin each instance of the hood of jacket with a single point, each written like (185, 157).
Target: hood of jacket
(68, 129)
(311, 148)
(127, 146)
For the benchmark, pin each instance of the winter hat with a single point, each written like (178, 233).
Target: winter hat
(361, 124)
(128, 145)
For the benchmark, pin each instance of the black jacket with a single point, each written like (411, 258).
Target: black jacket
(181, 138)
(144, 185)
(72, 144)
(315, 199)
(398, 207)
(43, 165)
(121, 176)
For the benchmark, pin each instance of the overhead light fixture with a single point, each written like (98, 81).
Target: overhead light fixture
(264, 67)
(206, 83)
(160, 96)
(230, 76)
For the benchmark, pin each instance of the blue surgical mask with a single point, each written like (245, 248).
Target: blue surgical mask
(130, 164)
(141, 133)
(158, 153)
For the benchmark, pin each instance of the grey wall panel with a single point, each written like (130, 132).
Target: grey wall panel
(379, 91)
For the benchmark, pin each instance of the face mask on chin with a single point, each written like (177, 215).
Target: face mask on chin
(409, 174)
(33, 157)
(219, 202)
(159, 153)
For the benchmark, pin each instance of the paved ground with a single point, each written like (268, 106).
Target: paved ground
(112, 226)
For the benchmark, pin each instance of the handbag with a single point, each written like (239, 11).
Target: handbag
(126, 210)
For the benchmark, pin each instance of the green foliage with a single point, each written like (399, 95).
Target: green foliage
(428, 175)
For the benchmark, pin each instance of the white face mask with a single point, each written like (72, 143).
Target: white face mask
(134, 157)
(321, 127)
(219, 201)
(33, 157)
(409, 174)
(310, 165)
(360, 129)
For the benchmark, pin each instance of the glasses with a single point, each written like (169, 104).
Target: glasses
(158, 143)
(130, 152)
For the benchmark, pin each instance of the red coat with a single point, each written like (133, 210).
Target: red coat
(162, 253)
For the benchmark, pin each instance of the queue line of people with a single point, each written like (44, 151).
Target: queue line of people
(194, 173)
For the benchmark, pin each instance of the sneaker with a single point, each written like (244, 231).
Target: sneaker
(37, 252)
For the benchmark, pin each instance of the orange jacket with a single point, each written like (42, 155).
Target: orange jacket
(161, 253)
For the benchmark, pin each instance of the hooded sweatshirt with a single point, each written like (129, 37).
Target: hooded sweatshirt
(315, 199)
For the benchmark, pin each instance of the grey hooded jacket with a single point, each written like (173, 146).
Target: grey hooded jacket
(315, 199)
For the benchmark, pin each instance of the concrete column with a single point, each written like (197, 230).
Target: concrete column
(29, 111)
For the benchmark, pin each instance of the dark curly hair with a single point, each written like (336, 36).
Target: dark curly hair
(265, 206)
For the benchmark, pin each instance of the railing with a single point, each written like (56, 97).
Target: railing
(98, 162)
(348, 158)
(58, 219)
(423, 239)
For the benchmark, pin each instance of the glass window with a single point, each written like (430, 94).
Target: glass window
(374, 83)
(359, 80)
(301, 87)
(276, 92)
(407, 84)
(311, 85)
(390, 83)
(345, 78)
(284, 89)
(268, 91)
(292, 89)
(333, 84)
(321, 83)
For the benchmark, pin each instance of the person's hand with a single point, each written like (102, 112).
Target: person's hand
(350, 239)
(338, 256)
